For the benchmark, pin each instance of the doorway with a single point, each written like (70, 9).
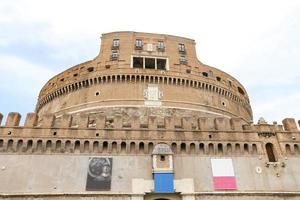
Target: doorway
(162, 197)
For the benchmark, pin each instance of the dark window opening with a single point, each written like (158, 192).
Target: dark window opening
(181, 48)
(62, 79)
(75, 75)
(97, 93)
(116, 44)
(138, 62)
(90, 69)
(114, 55)
(270, 152)
(183, 147)
(162, 158)
(149, 63)
(218, 78)
(188, 71)
(230, 84)
(241, 91)
(161, 64)
(160, 46)
(205, 74)
(182, 60)
(138, 44)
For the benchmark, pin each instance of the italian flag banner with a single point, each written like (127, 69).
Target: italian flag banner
(223, 174)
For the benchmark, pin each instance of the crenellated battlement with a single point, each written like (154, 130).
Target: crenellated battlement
(135, 122)
(110, 134)
(211, 136)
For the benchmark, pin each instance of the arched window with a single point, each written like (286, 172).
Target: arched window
(48, 145)
(39, 146)
(246, 148)
(296, 149)
(237, 148)
(58, 146)
(96, 147)
(105, 147)
(150, 147)
(229, 148)
(220, 149)
(254, 149)
(67, 146)
(174, 147)
(270, 152)
(201, 148)
(86, 146)
(123, 147)
(10, 145)
(141, 147)
(132, 147)
(183, 148)
(192, 148)
(210, 149)
(114, 147)
(19, 146)
(29, 145)
(77, 146)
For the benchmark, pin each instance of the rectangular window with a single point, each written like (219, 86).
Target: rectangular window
(116, 43)
(149, 63)
(138, 62)
(160, 46)
(181, 47)
(138, 44)
(182, 60)
(114, 55)
(161, 64)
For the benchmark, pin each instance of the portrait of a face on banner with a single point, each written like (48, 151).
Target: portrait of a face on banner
(99, 174)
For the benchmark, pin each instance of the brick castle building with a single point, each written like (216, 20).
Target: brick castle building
(145, 119)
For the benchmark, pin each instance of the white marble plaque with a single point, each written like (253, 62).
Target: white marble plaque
(152, 95)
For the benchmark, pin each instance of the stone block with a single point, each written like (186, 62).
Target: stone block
(187, 123)
(236, 124)
(13, 119)
(66, 121)
(31, 120)
(222, 123)
(206, 124)
(48, 121)
(100, 121)
(135, 122)
(152, 122)
(289, 124)
(118, 122)
(83, 120)
(169, 122)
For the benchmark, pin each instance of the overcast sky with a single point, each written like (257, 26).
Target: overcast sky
(258, 42)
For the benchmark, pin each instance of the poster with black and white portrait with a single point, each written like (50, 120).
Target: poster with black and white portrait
(99, 174)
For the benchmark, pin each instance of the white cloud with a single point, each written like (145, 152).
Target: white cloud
(256, 41)
(277, 109)
(21, 77)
